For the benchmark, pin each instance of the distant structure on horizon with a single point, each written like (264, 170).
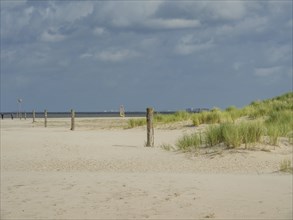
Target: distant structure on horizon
(122, 111)
(197, 110)
(19, 114)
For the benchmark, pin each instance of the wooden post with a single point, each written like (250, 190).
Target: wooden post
(72, 120)
(150, 127)
(34, 116)
(46, 115)
(25, 116)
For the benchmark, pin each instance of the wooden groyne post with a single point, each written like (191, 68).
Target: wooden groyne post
(72, 120)
(46, 115)
(150, 127)
(34, 116)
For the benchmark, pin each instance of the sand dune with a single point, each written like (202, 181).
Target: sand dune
(103, 171)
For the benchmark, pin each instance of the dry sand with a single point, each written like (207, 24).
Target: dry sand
(103, 171)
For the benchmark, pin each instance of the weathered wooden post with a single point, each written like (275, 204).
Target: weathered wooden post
(150, 127)
(46, 115)
(72, 120)
(34, 116)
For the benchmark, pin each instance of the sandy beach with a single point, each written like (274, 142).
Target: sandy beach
(102, 170)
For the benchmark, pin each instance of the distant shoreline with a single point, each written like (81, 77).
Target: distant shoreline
(81, 114)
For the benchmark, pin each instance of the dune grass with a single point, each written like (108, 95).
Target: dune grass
(136, 122)
(189, 142)
(162, 119)
(286, 166)
(169, 118)
(272, 118)
(230, 134)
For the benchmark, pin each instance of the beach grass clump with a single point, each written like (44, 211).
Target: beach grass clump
(233, 135)
(213, 135)
(169, 118)
(196, 120)
(258, 110)
(281, 121)
(286, 166)
(271, 117)
(234, 113)
(251, 132)
(189, 142)
(215, 116)
(162, 119)
(136, 122)
(273, 133)
(167, 147)
(279, 124)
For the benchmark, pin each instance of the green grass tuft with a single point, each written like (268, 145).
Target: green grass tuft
(285, 166)
(189, 142)
(136, 123)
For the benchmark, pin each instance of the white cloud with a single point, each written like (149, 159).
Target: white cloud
(125, 14)
(116, 55)
(229, 10)
(12, 4)
(98, 31)
(76, 10)
(51, 36)
(142, 15)
(213, 10)
(279, 54)
(188, 45)
(268, 71)
(67, 12)
(171, 23)
(86, 55)
(248, 25)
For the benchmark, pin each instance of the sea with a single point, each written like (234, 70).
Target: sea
(78, 114)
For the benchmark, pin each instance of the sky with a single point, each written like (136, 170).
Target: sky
(170, 55)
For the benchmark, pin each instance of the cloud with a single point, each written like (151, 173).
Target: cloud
(171, 23)
(66, 12)
(279, 53)
(142, 16)
(86, 55)
(52, 35)
(12, 4)
(268, 71)
(112, 55)
(247, 26)
(98, 31)
(189, 44)
(124, 14)
(227, 10)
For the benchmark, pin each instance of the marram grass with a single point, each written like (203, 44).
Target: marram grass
(271, 117)
(230, 134)
(189, 142)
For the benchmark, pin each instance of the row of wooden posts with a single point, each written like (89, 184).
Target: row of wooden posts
(149, 119)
